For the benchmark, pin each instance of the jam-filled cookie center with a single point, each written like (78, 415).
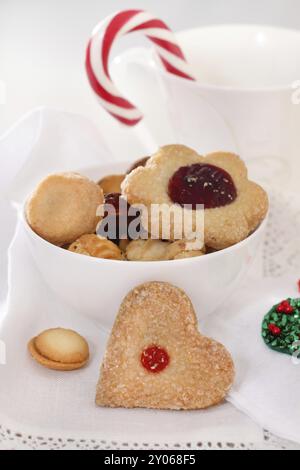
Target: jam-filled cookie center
(202, 184)
(155, 359)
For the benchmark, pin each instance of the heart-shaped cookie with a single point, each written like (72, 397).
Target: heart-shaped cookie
(156, 358)
(281, 327)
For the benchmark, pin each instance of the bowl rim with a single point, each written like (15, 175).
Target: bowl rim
(231, 249)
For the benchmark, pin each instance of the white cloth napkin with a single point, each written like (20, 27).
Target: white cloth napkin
(37, 401)
(267, 386)
(42, 142)
(45, 141)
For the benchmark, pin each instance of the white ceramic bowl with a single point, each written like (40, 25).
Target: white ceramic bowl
(96, 287)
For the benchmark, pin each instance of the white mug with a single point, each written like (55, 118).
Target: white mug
(245, 98)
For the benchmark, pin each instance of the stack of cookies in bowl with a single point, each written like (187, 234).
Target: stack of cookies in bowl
(93, 219)
(94, 241)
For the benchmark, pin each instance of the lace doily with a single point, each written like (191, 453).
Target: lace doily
(281, 251)
(281, 254)
(10, 440)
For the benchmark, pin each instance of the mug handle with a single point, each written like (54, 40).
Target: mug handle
(136, 72)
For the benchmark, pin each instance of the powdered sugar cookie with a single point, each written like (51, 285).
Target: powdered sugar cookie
(156, 358)
(63, 207)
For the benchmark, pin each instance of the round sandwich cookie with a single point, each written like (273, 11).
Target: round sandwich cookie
(60, 349)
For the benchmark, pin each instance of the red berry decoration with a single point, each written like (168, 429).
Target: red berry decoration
(155, 359)
(285, 307)
(202, 184)
(274, 330)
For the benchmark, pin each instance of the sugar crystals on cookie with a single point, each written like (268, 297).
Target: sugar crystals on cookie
(96, 247)
(178, 176)
(156, 358)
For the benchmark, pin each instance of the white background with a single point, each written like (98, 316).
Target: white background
(42, 43)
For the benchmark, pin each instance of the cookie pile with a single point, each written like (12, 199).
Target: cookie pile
(72, 212)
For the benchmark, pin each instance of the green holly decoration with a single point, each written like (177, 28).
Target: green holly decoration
(281, 327)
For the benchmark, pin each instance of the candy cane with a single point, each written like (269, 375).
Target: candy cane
(98, 51)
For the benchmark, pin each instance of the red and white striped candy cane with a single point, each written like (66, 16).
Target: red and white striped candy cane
(98, 52)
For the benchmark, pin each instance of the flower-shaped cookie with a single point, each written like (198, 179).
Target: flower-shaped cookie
(177, 176)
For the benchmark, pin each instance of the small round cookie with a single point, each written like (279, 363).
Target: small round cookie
(111, 183)
(63, 207)
(158, 250)
(147, 250)
(60, 349)
(92, 245)
(185, 249)
(123, 244)
(189, 254)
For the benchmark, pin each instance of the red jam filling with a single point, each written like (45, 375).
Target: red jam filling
(155, 359)
(116, 213)
(202, 184)
(114, 199)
